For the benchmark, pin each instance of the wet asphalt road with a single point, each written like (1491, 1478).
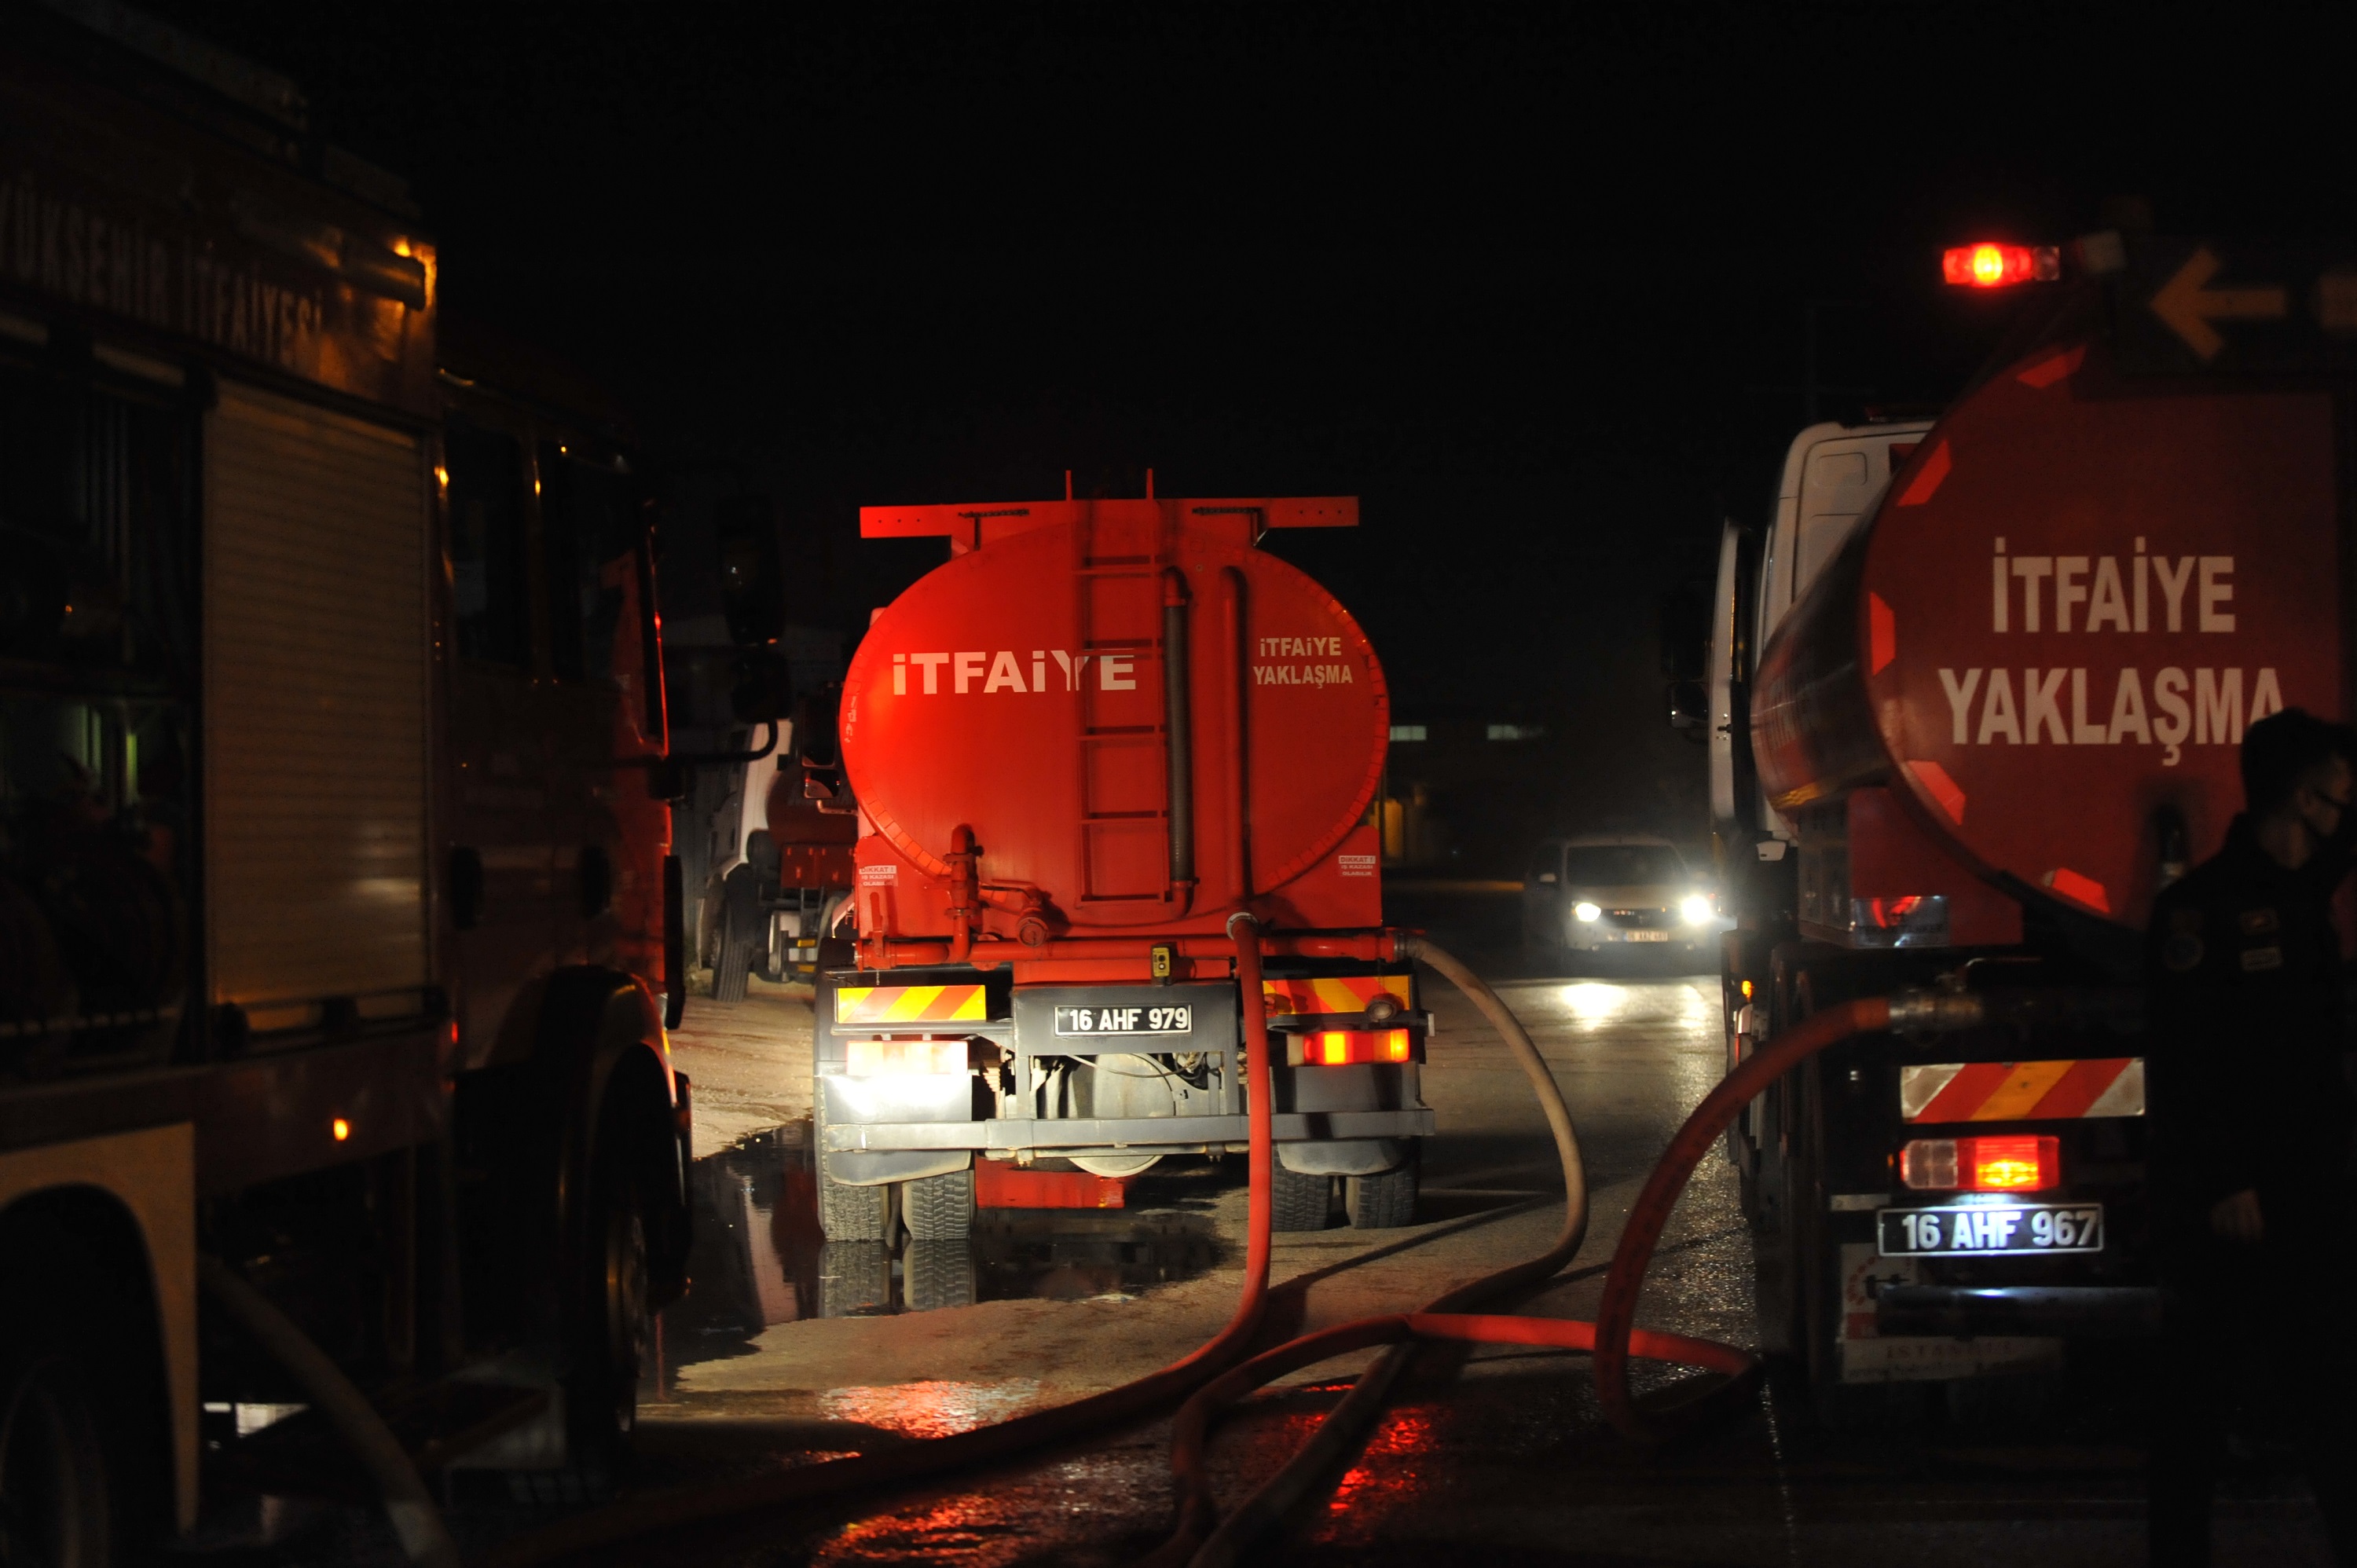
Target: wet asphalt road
(790, 1351)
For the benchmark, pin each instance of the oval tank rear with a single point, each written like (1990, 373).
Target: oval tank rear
(2070, 602)
(1021, 690)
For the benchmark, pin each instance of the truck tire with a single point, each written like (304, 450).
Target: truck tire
(1748, 1202)
(707, 924)
(939, 1207)
(1384, 1201)
(937, 1275)
(612, 1322)
(1300, 1202)
(744, 934)
(56, 1481)
(847, 1213)
(855, 1279)
(84, 1456)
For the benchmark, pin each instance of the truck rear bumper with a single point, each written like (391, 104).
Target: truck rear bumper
(2074, 1312)
(1142, 1134)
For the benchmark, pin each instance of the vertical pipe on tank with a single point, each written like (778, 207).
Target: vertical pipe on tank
(1232, 636)
(965, 897)
(1179, 726)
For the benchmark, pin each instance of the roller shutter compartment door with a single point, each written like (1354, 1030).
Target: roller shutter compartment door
(316, 695)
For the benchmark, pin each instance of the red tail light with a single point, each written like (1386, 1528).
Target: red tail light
(1341, 1048)
(1991, 266)
(2022, 1163)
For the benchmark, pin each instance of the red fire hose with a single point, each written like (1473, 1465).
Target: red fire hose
(1613, 1337)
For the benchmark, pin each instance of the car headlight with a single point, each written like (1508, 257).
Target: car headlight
(1697, 908)
(1587, 911)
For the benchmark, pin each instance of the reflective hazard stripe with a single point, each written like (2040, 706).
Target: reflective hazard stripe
(1333, 993)
(909, 1004)
(2022, 1092)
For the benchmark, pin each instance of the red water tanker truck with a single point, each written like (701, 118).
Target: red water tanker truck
(1097, 732)
(1976, 697)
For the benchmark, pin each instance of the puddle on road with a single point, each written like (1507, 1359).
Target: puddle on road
(761, 1260)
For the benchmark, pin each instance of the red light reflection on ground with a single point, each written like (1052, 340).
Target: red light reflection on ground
(974, 1529)
(1388, 1472)
(933, 1409)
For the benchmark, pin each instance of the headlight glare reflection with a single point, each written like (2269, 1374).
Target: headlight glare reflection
(1587, 911)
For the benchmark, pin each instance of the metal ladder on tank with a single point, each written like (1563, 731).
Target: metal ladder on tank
(1089, 568)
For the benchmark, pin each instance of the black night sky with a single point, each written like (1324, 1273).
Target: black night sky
(1535, 282)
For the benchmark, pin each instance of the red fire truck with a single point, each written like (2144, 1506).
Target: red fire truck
(1975, 697)
(333, 896)
(1099, 731)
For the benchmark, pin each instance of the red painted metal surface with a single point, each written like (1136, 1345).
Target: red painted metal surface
(1020, 692)
(1893, 858)
(2079, 595)
(999, 1185)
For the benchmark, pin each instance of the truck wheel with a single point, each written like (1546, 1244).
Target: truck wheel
(56, 1483)
(601, 1394)
(847, 1213)
(743, 929)
(939, 1207)
(1384, 1201)
(84, 1455)
(937, 1275)
(1300, 1202)
(855, 1279)
(767, 963)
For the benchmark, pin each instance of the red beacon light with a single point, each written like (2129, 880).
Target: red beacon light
(1989, 264)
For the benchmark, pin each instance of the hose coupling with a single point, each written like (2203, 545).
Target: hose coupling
(1937, 1012)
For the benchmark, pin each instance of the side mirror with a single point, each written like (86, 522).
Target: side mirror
(752, 578)
(1689, 705)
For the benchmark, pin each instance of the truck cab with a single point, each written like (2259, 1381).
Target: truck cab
(1832, 475)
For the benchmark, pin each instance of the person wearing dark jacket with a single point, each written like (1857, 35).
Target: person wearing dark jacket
(2254, 1127)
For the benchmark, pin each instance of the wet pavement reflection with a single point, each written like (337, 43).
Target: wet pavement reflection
(761, 1260)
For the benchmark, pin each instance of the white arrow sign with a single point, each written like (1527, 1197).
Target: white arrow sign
(2187, 307)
